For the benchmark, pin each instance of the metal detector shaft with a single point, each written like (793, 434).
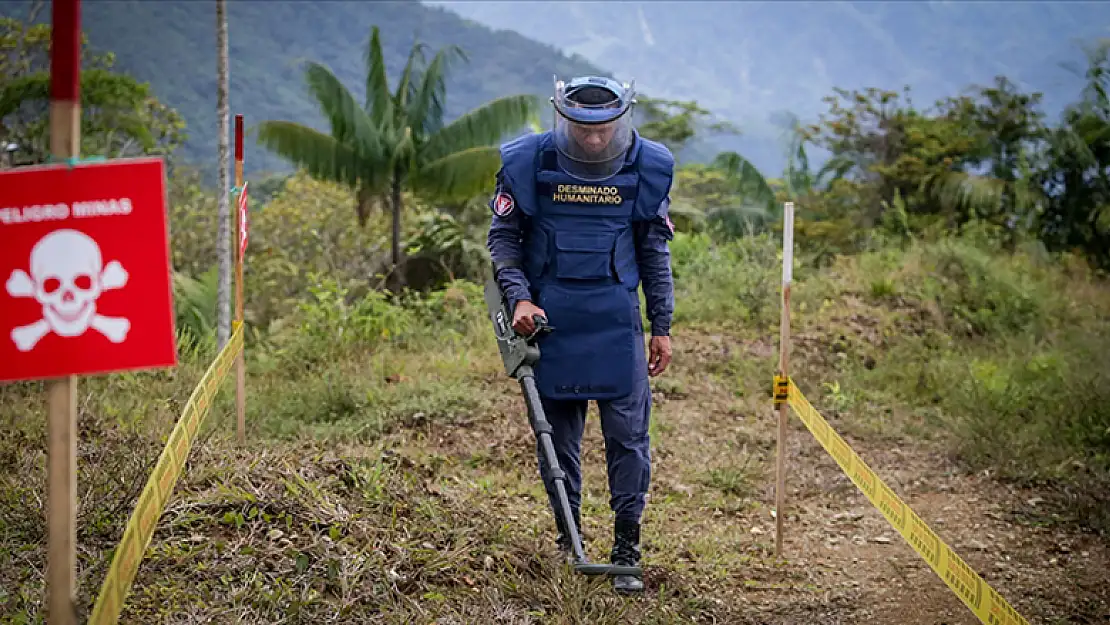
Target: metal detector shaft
(542, 429)
(518, 354)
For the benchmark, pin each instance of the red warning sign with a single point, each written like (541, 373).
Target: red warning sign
(85, 268)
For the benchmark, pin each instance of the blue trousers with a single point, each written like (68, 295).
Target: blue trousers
(624, 425)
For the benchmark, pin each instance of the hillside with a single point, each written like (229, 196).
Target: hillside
(173, 46)
(751, 61)
(389, 472)
(781, 59)
(953, 329)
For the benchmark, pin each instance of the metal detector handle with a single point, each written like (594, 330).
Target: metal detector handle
(542, 327)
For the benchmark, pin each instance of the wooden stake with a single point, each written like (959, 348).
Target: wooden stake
(61, 515)
(784, 353)
(240, 364)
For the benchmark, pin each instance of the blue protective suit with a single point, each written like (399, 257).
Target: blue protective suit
(580, 250)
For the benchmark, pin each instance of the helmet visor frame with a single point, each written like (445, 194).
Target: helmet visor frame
(592, 134)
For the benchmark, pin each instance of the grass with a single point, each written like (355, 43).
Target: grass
(390, 473)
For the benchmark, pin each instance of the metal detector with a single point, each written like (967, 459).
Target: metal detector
(519, 354)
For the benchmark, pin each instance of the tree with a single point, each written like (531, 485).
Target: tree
(674, 123)
(398, 141)
(119, 116)
(1007, 132)
(1011, 125)
(896, 153)
(747, 200)
(798, 181)
(731, 190)
(1076, 171)
(223, 228)
(729, 194)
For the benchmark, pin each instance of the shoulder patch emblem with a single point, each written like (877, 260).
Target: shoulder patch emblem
(503, 204)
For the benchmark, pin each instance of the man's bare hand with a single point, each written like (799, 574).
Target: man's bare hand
(659, 355)
(522, 317)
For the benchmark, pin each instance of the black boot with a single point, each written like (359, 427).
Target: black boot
(626, 552)
(563, 540)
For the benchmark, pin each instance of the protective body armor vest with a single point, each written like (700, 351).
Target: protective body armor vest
(580, 260)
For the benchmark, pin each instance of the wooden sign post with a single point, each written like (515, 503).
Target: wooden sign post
(61, 515)
(241, 239)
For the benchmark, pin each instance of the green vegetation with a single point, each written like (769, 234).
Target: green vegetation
(397, 141)
(916, 169)
(950, 300)
(120, 117)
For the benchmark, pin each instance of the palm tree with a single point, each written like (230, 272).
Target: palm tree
(729, 194)
(753, 201)
(398, 141)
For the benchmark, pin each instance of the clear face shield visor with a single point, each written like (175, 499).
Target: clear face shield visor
(592, 139)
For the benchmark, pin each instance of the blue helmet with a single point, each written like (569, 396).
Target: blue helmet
(593, 125)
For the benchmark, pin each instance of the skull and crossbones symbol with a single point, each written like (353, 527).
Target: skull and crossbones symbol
(67, 277)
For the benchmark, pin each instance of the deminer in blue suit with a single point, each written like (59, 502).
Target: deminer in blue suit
(579, 222)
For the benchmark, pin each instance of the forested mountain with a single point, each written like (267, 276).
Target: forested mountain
(949, 322)
(173, 46)
(751, 61)
(747, 62)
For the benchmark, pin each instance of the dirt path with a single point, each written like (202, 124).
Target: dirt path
(709, 533)
(1049, 576)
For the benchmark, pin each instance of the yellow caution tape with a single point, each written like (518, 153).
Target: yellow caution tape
(140, 528)
(781, 390)
(984, 601)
